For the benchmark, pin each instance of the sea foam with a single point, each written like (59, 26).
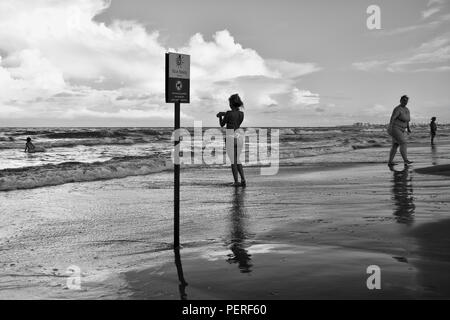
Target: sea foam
(67, 172)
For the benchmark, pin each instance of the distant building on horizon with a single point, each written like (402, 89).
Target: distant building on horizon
(362, 124)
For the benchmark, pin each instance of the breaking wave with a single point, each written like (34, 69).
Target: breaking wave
(67, 172)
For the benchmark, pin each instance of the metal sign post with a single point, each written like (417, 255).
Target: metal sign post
(176, 180)
(177, 91)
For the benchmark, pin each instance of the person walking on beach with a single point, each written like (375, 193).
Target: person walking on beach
(433, 129)
(29, 146)
(234, 139)
(398, 124)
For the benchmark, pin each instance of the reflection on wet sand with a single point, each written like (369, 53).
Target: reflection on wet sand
(238, 232)
(402, 195)
(182, 283)
(434, 155)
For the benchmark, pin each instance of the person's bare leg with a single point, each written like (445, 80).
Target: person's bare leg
(404, 152)
(241, 173)
(235, 173)
(393, 152)
(234, 166)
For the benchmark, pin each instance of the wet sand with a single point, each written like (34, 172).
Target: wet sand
(309, 232)
(439, 170)
(333, 234)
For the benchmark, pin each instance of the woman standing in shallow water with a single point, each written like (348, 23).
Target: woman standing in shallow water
(234, 140)
(433, 129)
(397, 126)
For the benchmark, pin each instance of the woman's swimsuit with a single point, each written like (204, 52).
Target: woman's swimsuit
(234, 138)
(403, 119)
(399, 126)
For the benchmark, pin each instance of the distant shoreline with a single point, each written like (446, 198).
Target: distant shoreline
(208, 127)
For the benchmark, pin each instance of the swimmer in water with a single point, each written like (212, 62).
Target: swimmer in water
(234, 140)
(29, 146)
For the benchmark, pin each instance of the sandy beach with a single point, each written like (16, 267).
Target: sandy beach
(308, 232)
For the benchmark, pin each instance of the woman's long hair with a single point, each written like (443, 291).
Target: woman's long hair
(235, 101)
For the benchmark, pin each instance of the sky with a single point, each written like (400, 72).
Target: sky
(293, 62)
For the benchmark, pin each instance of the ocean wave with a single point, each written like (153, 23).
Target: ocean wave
(371, 130)
(107, 133)
(29, 132)
(67, 172)
(287, 131)
(48, 144)
(6, 139)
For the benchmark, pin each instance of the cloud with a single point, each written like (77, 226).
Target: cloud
(433, 55)
(434, 16)
(290, 69)
(9, 111)
(378, 110)
(223, 66)
(368, 65)
(26, 75)
(429, 12)
(433, 7)
(434, 69)
(304, 97)
(57, 61)
(127, 113)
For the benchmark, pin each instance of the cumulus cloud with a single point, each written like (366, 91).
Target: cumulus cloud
(56, 60)
(26, 74)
